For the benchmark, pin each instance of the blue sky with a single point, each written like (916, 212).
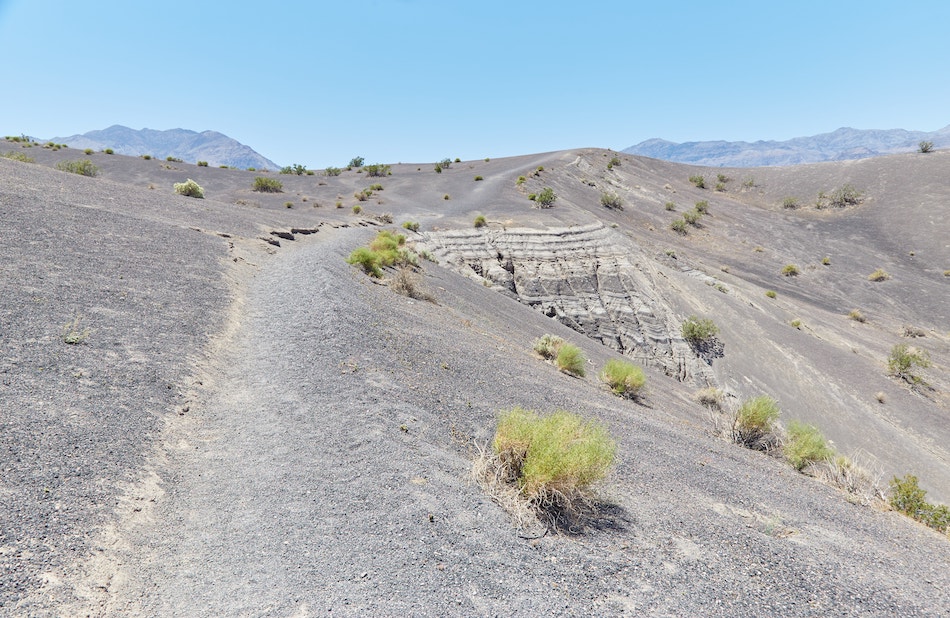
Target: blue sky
(319, 82)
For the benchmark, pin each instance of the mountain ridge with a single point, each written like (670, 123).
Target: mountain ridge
(212, 146)
(842, 144)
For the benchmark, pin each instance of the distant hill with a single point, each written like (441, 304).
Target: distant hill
(215, 148)
(840, 145)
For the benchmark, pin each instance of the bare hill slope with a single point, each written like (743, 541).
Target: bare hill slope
(252, 426)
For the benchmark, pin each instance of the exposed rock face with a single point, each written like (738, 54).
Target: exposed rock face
(590, 278)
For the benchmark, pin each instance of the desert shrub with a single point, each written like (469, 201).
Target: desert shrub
(842, 472)
(357, 209)
(554, 460)
(804, 444)
(87, 151)
(679, 226)
(925, 147)
(147, 157)
(670, 206)
(546, 197)
(445, 163)
(83, 167)
(267, 185)
(521, 180)
(623, 378)
(363, 195)
(288, 204)
(384, 217)
(477, 178)
(18, 156)
(189, 188)
(721, 187)
(355, 162)
(826, 261)
(722, 178)
(202, 164)
(796, 323)
(480, 221)
(879, 275)
(771, 293)
(903, 359)
(614, 162)
(692, 217)
(755, 423)
(710, 397)
(172, 159)
(570, 359)
(540, 169)
(532, 196)
(109, 151)
(332, 171)
(611, 200)
(378, 169)
(547, 346)
(698, 181)
(790, 203)
(908, 498)
(702, 207)
(367, 259)
(446, 197)
(845, 196)
(698, 332)
(790, 270)
(438, 168)
(412, 226)
(857, 316)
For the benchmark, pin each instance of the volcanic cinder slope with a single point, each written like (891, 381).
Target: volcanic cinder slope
(254, 427)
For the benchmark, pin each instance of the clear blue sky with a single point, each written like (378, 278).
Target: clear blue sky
(319, 82)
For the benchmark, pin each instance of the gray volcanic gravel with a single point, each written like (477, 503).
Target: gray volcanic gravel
(325, 472)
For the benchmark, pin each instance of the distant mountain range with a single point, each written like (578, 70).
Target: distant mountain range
(215, 148)
(843, 144)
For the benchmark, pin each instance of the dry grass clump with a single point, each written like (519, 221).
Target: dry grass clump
(756, 424)
(547, 346)
(74, 333)
(791, 270)
(546, 465)
(857, 480)
(879, 275)
(408, 283)
(710, 397)
(857, 316)
(624, 379)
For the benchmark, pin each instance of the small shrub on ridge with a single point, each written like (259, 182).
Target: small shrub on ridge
(624, 379)
(189, 188)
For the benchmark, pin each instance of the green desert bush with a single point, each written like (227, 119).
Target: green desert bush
(623, 378)
(478, 178)
(83, 167)
(147, 157)
(172, 159)
(521, 180)
(908, 498)
(545, 199)
(826, 261)
(804, 445)
(480, 221)
(553, 459)
(611, 200)
(189, 188)
(357, 209)
(702, 207)
(570, 359)
(18, 156)
(679, 226)
(547, 346)
(698, 331)
(202, 164)
(670, 206)
(74, 333)
(332, 171)
(368, 260)
(790, 270)
(796, 323)
(925, 147)
(412, 226)
(698, 181)
(109, 151)
(268, 185)
(378, 169)
(857, 316)
(356, 162)
(790, 203)
(879, 275)
(692, 217)
(87, 151)
(756, 422)
(903, 360)
(845, 196)
(771, 293)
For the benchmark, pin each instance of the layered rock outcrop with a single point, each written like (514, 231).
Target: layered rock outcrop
(589, 277)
